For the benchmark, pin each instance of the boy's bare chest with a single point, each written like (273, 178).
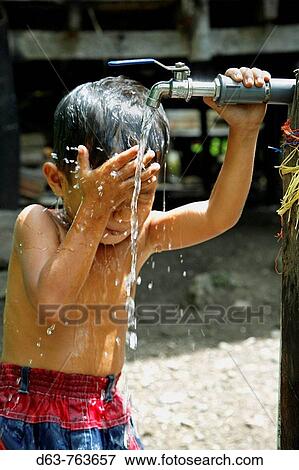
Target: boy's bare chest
(105, 282)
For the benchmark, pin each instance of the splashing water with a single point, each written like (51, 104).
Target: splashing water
(51, 329)
(148, 118)
(164, 185)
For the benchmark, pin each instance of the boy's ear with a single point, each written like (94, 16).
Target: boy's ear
(54, 178)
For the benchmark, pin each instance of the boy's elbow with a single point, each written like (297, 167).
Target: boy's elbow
(226, 224)
(47, 314)
(232, 222)
(52, 307)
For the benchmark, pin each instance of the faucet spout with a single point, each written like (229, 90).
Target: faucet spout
(157, 92)
(183, 88)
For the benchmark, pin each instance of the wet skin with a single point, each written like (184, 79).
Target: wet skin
(55, 264)
(90, 340)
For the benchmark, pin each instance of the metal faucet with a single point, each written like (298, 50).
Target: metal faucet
(222, 89)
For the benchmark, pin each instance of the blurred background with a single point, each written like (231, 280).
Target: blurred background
(206, 386)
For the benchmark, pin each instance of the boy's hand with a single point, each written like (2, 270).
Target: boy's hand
(243, 116)
(113, 182)
(122, 213)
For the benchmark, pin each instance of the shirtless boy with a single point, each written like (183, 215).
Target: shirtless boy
(60, 368)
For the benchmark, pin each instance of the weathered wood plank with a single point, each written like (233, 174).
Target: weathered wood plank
(32, 182)
(37, 45)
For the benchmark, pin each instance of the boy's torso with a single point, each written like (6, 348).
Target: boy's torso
(90, 337)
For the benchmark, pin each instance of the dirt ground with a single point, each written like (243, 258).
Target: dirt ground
(205, 375)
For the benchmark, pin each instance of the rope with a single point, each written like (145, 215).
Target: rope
(291, 139)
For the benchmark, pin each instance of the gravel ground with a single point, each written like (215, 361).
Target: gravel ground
(205, 385)
(213, 398)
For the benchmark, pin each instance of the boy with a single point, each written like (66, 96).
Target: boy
(63, 351)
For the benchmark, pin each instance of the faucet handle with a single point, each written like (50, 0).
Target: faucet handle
(179, 67)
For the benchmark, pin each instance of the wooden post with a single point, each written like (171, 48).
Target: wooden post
(9, 133)
(288, 424)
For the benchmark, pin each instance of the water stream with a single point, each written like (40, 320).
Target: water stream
(147, 121)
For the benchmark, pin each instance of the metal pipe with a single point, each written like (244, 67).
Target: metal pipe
(224, 90)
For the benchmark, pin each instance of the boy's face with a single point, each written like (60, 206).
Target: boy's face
(119, 225)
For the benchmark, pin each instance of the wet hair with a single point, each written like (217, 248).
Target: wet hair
(106, 117)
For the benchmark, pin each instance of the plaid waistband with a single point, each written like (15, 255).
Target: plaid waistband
(51, 382)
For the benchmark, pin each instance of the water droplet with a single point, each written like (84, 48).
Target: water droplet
(51, 329)
(117, 340)
(168, 269)
(116, 282)
(138, 280)
(184, 274)
(150, 285)
(71, 148)
(153, 264)
(38, 343)
(132, 339)
(41, 354)
(130, 308)
(76, 186)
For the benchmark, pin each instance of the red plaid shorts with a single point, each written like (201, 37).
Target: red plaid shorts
(45, 409)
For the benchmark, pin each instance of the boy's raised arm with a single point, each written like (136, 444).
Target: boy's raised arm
(194, 223)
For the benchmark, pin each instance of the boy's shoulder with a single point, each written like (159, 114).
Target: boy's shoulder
(34, 213)
(31, 209)
(33, 221)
